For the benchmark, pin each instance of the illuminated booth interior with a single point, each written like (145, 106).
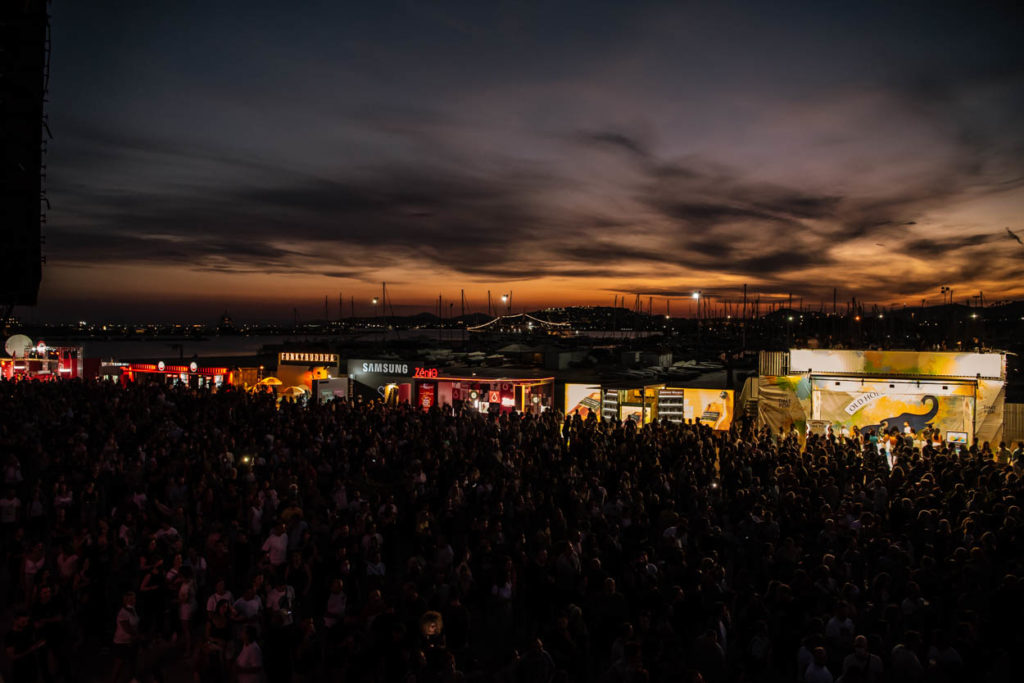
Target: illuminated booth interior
(192, 374)
(316, 373)
(395, 381)
(42, 362)
(646, 402)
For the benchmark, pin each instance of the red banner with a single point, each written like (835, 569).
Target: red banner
(427, 396)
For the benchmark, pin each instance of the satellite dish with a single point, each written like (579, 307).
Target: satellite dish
(18, 346)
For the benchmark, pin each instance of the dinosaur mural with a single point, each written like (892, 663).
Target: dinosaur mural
(917, 421)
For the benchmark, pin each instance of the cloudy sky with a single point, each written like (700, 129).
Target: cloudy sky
(257, 156)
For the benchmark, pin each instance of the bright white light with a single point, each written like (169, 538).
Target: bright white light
(696, 295)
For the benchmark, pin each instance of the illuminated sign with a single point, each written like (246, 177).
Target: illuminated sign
(425, 373)
(712, 407)
(302, 357)
(582, 399)
(385, 367)
(171, 369)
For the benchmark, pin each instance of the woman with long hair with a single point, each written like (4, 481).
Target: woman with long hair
(187, 606)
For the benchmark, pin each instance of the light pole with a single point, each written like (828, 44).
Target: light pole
(696, 298)
(375, 314)
(507, 300)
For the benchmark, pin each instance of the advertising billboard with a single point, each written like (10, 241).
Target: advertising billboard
(582, 400)
(638, 414)
(427, 396)
(713, 407)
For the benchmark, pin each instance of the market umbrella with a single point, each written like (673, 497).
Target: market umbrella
(270, 382)
(295, 392)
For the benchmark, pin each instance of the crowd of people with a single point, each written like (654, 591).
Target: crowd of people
(149, 529)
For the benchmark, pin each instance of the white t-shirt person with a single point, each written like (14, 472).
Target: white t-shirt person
(276, 546)
(248, 606)
(122, 635)
(250, 658)
(216, 597)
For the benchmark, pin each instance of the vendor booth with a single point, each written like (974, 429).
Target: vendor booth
(306, 369)
(643, 403)
(401, 381)
(38, 361)
(959, 395)
(194, 374)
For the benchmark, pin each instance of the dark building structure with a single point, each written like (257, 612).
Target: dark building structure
(24, 72)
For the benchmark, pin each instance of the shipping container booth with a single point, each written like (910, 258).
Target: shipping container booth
(959, 396)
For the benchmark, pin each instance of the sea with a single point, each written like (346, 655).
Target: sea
(244, 345)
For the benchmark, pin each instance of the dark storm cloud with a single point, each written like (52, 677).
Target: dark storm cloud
(195, 250)
(436, 215)
(779, 261)
(617, 141)
(946, 245)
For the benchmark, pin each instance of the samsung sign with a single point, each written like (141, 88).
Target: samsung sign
(378, 367)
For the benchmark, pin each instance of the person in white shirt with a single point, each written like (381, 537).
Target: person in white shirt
(187, 607)
(818, 672)
(220, 592)
(840, 628)
(276, 546)
(337, 602)
(126, 634)
(247, 608)
(281, 599)
(249, 663)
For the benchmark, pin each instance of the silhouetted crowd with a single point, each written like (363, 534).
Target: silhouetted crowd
(149, 531)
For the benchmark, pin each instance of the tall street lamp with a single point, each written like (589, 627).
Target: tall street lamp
(696, 298)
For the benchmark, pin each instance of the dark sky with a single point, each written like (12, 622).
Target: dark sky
(257, 156)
